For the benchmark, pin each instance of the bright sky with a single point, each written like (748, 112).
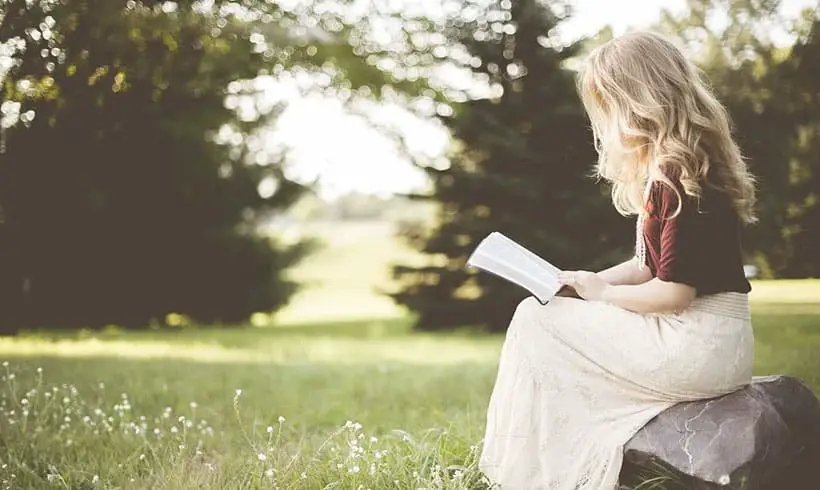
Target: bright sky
(347, 155)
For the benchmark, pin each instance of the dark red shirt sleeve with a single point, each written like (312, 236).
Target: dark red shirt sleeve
(700, 246)
(679, 237)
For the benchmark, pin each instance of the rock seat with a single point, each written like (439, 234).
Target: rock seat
(765, 436)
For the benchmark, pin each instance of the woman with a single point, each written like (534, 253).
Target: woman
(578, 377)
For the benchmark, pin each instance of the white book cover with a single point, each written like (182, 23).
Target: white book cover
(505, 258)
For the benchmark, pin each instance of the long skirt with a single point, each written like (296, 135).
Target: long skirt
(577, 379)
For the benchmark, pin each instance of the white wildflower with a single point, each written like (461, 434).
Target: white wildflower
(281, 419)
(269, 472)
(269, 429)
(261, 456)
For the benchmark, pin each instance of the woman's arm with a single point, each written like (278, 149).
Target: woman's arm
(653, 296)
(626, 273)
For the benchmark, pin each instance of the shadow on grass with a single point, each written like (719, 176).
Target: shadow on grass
(236, 335)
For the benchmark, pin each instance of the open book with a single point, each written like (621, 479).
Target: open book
(505, 258)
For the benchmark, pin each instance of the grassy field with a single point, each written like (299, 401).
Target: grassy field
(308, 404)
(344, 277)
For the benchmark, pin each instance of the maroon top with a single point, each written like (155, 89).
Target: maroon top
(700, 246)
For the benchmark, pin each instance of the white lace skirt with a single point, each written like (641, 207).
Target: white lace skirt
(577, 379)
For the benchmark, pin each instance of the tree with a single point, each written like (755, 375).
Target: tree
(798, 76)
(130, 191)
(521, 166)
(768, 90)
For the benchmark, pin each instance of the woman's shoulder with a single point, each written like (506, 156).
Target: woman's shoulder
(666, 192)
(668, 196)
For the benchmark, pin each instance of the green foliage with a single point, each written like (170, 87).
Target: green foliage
(522, 153)
(130, 190)
(121, 205)
(522, 167)
(772, 95)
(798, 77)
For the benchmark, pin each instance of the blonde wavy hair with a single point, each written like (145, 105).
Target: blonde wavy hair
(654, 116)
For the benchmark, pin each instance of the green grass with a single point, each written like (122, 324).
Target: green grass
(365, 403)
(422, 396)
(343, 279)
(374, 374)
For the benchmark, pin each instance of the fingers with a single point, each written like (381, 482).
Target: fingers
(567, 278)
(571, 278)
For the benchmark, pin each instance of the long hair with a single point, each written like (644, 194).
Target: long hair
(653, 115)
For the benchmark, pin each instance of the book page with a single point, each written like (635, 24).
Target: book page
(505, 258)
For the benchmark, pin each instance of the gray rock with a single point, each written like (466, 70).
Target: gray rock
(763, 437)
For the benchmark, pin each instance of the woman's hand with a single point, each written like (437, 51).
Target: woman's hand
(587, 285)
